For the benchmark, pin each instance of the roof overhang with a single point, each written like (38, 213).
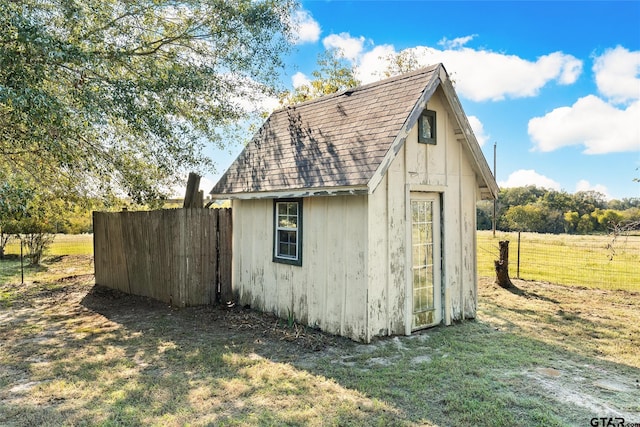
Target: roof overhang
(295, 193)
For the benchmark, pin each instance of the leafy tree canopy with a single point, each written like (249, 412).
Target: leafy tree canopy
(120, 96)
(334, 74)
(549, 211)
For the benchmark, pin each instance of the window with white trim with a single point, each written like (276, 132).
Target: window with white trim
(287, 236)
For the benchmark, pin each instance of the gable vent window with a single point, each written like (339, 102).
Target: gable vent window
(287, 245)
(427, 127)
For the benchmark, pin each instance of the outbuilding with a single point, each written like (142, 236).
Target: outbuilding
(356, 212)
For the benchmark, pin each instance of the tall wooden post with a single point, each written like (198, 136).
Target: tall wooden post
(192, 199)
(502, 266)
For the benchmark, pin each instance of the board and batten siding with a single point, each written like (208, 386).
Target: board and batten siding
(329, 290)
(355, 278)
(445, 169)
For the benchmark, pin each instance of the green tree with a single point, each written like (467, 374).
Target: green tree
(571, 220)
(484, 215)
(334, 74)
(527, 218)
(119, 97)
(401, 62)
(520, 195)
(32, 214)
(588, 201)
(585, 224)
(608, 219)
(13, 207)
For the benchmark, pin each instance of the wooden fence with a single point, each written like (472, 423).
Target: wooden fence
(179, 256)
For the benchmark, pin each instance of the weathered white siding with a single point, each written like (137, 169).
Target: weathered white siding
(444, 168)
(459, 222)
(329, 290)
(355, 278)
(388, 250)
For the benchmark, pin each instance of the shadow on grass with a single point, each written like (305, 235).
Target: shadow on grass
(114, 359)
(527, 294)
(11, 269)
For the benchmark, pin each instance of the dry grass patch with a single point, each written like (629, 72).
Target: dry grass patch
(604, 324)
(77, 354)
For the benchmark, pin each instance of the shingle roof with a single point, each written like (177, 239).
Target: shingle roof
(343, 142)
(334, 141)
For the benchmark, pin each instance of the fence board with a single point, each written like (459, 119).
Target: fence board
(173, 256)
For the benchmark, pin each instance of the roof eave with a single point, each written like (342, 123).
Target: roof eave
(294, 193)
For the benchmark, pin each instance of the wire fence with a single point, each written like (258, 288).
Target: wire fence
(590, 261)
(16, 266)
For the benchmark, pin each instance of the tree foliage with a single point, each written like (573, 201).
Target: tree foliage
(30, 215)
(401, 62)
(333, 75)
(120, 97)
(549, 211)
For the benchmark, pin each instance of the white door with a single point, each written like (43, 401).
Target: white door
(425, 260)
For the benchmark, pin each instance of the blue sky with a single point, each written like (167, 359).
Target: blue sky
(555, 84)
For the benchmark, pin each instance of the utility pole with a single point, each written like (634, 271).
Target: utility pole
(495, 201)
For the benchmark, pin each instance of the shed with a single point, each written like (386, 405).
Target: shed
(356, 212)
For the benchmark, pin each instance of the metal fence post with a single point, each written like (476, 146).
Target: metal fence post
(518, 267)
(21, 265)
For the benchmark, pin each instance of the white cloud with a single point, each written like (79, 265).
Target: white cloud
(300, 79)
(350, 47)
(592, 122)
(372, 64)
(617, 73)
(525, 177)
(478, 130)
(307, 29)
(584, 185)
(480, 75)
(483, 75)
(457, 42)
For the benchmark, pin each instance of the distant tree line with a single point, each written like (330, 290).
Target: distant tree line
(549, 211)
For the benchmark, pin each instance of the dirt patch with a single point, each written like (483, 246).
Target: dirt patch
(597, 390)
(263, 327)
(598, 325)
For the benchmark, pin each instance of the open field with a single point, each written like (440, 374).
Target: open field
(566, 259)
(76, 354)
(63, 244)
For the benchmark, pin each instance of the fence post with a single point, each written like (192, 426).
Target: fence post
(21, 265)
(518, 268)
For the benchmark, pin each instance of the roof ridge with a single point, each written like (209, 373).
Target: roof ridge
(349, 91)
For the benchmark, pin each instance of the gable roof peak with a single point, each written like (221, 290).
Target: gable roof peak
(337, 143)
(350, 91)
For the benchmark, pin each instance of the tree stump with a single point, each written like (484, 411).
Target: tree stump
(502, 266)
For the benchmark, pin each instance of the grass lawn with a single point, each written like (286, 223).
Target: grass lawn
(63, 244)
(566, 259)
(72, 353)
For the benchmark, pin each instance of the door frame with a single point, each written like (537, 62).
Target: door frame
(438, 251)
